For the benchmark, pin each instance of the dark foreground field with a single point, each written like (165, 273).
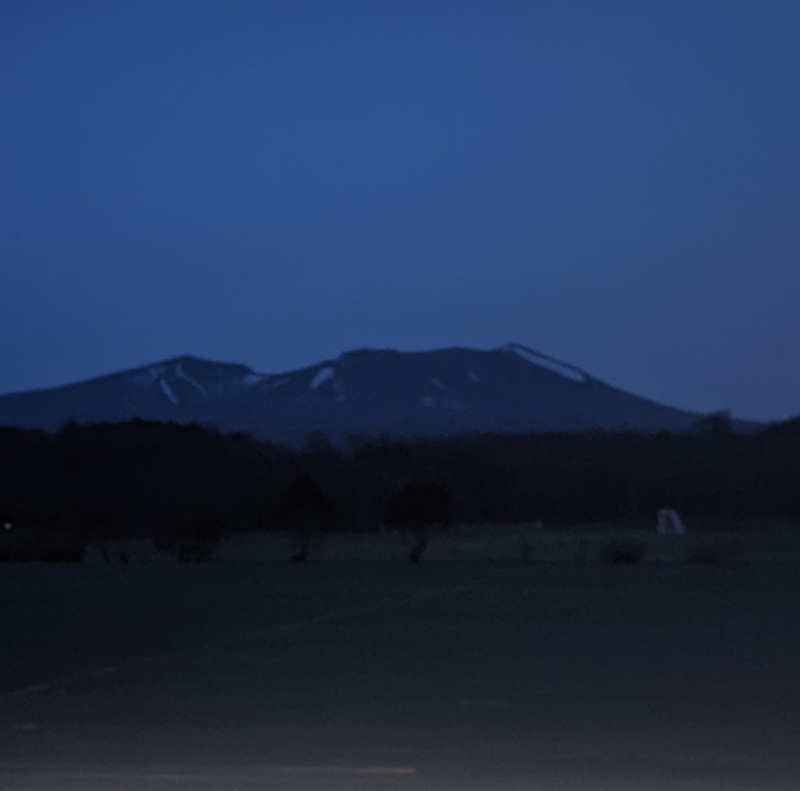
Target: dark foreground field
(439, 676)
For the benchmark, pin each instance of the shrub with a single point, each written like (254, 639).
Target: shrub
(623, 552)
(22, 545)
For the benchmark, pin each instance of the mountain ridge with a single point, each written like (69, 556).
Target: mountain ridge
(456, 389)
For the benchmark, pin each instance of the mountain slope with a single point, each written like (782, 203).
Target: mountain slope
(374, 391)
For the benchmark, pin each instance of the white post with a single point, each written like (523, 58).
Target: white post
(669, 523)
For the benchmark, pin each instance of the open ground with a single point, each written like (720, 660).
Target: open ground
(441, 675)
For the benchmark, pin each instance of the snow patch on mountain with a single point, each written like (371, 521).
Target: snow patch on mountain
(168, 391)
(472, 375)
(181, 374)
(321, 376)
(555, 366)
(252, 379)
(438, 383)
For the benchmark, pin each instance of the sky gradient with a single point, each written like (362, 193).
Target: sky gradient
(615, 184)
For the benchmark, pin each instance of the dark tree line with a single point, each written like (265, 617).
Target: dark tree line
(168, 481)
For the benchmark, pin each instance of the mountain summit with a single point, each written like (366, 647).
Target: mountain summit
(445, 391)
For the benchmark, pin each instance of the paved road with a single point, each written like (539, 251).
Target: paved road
(391, 676)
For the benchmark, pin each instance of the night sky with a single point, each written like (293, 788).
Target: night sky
(616, 184)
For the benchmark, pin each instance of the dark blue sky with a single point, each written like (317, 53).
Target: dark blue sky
(613, 183)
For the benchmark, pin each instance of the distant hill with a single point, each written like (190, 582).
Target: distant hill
(446, 391)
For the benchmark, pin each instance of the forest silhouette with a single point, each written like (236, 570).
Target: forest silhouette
(176, 483)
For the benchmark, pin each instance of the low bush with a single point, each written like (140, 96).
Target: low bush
(623, 552)
(22, 545)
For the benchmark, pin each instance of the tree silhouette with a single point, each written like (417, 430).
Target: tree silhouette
(419, 506)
